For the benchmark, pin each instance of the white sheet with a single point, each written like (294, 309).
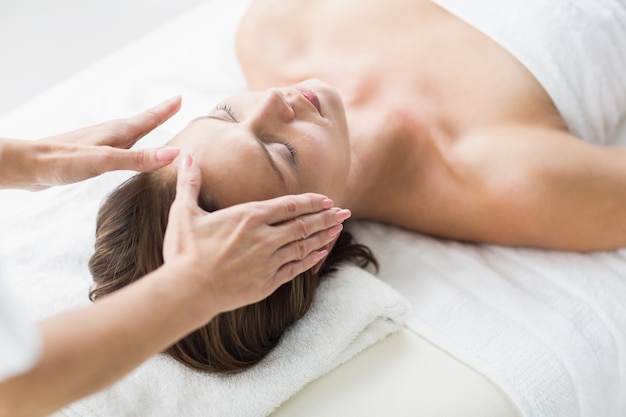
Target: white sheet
(20, 343)
(548, 327)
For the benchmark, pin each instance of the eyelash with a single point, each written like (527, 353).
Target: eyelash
(292, 150)
(226, 108)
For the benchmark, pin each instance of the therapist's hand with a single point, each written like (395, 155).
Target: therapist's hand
(239, 255)
(87, 152)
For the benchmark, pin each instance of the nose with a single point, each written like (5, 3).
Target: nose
(272, 108)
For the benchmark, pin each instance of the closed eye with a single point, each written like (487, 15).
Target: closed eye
(228, 110)
(292, 151)
(290, 148)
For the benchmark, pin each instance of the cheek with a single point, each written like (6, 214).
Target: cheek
(336, 155)
(326, 171)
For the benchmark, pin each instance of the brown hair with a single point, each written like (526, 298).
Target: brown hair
(129, 243)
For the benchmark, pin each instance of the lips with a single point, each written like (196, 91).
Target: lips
(310, 96)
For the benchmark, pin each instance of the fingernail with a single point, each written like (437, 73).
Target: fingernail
(320, 255)
(343, 214)
(167, 153)
(186, 162)
(327, 203)
(335, 230)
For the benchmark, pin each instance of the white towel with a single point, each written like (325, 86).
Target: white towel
(575, 48)
(351, 311)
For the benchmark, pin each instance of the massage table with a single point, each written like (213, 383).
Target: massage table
(428, 367)
(402, 376)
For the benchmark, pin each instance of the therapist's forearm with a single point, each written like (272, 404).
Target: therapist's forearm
(88, 349)
(17, 163)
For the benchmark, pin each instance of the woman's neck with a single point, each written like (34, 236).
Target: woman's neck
(395, 140)
(379, 143)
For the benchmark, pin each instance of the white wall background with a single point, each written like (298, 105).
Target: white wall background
(45, 41)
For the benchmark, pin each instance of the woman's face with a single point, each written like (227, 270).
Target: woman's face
(255, 146)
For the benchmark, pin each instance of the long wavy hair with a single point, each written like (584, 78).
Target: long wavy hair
(130, 228)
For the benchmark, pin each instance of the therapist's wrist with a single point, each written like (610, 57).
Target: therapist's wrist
(180, 280)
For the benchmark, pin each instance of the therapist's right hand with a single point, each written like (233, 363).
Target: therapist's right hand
(240, 255)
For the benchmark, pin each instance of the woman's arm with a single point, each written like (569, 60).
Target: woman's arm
(540, 187)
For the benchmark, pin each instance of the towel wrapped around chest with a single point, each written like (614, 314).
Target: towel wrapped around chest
(576, 49)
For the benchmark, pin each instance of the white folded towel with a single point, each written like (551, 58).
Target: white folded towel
(351, 311)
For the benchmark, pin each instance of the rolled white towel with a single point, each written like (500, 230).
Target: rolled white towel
(351, 311)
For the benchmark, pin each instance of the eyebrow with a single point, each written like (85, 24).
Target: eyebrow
(267, 154)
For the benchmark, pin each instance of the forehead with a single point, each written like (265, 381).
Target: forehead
(235, 168)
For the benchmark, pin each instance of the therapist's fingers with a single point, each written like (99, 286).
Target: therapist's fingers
(292, 269)
(124, 133)
(188, 182)
(289, 207)
(106, 158)
(304, 226)
(298, 250)
(121, 133)
(181, 226)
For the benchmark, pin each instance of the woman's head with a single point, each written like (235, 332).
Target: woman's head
(255, 146)
(132, 221)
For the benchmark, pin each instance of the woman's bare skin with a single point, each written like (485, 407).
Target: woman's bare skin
(450, 134)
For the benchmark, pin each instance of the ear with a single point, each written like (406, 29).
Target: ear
(329, 248)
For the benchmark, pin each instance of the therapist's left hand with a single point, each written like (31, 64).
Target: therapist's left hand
(88, 152)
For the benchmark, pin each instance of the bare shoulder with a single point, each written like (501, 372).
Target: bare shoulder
(271, 38)
(515, 184)
(539, 186)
